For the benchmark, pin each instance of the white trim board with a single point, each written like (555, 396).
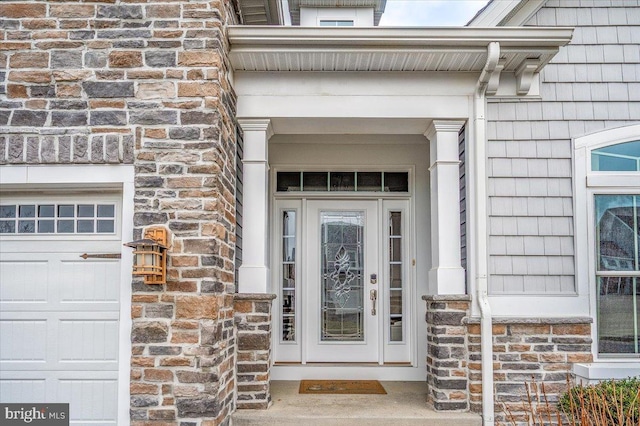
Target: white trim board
(597, 371)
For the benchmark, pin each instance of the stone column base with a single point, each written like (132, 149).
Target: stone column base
(447, 372)
(253, 358)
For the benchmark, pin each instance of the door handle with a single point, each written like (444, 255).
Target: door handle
(373, 295)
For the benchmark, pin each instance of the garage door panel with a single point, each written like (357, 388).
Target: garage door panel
(24, 281)
(59, 313)
(90, 400)
(20, 390)
(89, 281)
(58, 282)
(86, 341)
(23, 341)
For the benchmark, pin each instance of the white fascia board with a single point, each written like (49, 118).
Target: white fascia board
(255, 48)
(459, 38)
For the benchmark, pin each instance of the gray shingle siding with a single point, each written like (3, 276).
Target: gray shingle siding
(593, 84)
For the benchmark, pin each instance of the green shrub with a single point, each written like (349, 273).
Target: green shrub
(611, 402)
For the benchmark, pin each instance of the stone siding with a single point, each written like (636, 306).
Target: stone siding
(254, 332)
(144, 83)
(527, 350)
(447, 373)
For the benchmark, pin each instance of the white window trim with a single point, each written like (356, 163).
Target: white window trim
(586, 184)
(70, 177)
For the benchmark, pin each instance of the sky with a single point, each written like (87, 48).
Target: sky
(430, 12)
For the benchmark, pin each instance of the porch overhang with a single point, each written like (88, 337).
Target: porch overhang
(463, 49)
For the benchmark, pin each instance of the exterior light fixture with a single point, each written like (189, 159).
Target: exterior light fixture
(151, 256)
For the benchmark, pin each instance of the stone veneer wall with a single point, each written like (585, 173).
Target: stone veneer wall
(528, 349)
(143, 82)
(525, 350)
(254, 333)
(447, 373)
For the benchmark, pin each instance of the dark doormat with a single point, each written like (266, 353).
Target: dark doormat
(364, 387)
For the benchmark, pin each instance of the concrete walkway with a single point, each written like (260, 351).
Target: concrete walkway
(404, 404)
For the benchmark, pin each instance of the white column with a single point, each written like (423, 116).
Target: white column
(253, 274)
(446, 275)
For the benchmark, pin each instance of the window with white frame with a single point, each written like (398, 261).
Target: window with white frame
(608, 213)
(336, 23)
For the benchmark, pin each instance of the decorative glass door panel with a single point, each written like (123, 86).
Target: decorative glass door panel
(341, 310)
(341, 240)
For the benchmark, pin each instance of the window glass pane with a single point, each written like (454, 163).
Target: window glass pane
(27, 211)
(7, 227)
(620, 157)
(65, 226)
(105, 226)
(343, 181)
(289, 275)
(618, 312)
(396, 302)
(65, 211)
(396, 182)
(336, 23)
(106, 210)
(342, 296)
(606, 163)
(395, 223)
(85, 210)
(7, 211)
(369, 181)
(288, 181)
(45, 226)
(288, 295)
(396, 276)
(46, 211)
(85, 226)
(315, 181)
(617, 236)
(26, 226)
(289, 223)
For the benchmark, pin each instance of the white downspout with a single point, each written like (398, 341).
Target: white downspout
(480, 177)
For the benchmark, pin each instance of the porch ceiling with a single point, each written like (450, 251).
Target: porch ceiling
(463, 49)
(260, 12)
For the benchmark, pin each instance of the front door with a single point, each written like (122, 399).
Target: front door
(342, 296)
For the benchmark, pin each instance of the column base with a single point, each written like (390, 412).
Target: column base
(253, 323)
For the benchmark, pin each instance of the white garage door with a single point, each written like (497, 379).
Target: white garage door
(59, 312)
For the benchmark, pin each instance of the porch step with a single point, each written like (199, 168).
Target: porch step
(404, 404)
(453, 421)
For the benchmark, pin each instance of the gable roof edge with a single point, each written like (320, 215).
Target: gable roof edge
(506, 13)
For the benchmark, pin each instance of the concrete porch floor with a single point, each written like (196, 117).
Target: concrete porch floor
(404, 404)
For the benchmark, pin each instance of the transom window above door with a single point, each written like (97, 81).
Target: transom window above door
(342, 181)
